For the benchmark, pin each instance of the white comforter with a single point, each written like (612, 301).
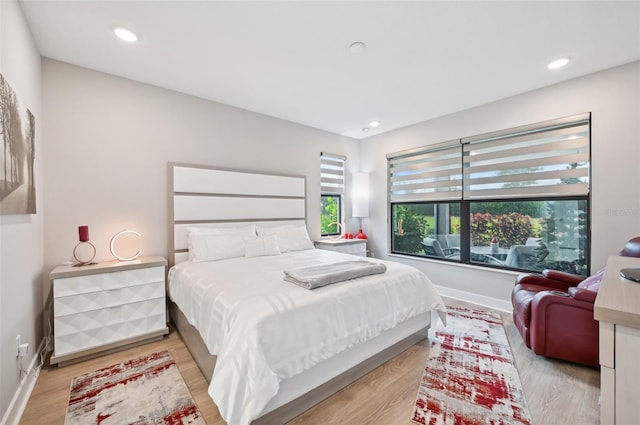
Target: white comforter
(265, 330)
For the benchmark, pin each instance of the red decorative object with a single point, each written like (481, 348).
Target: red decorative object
(470, 376)
(146, 390)
(83, 232)
(348, 235)
(361, 235)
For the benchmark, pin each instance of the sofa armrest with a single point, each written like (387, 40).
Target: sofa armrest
(544, 299)
(583, 294)
(541, 280)
(572, 279)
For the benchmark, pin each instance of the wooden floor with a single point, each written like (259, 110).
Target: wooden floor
(556, 392)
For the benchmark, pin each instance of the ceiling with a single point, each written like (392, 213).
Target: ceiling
(292, 60)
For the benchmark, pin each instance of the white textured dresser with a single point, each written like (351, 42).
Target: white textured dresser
(617, 308)
(107, 306)
(347, 246)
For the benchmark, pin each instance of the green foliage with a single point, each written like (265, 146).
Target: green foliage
(510, 229)
(410, 227)
(454, 222)
(330, 215)
(530, 208)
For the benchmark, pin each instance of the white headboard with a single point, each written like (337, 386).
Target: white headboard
(216, 197)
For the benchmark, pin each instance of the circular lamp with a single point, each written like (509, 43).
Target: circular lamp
(112, 245)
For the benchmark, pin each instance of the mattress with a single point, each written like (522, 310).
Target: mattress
(264, 330)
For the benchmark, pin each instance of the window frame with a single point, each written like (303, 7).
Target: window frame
(396, 196)
(339, 225)
(332, 185)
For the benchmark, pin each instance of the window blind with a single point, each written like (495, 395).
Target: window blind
(426, 174)
(546, 159)
(331, 174)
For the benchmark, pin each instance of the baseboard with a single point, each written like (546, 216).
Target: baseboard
(470, 297)
(19, 401)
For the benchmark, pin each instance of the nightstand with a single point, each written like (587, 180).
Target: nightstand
(107, 306)
(347, 246)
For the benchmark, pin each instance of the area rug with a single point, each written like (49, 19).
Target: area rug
(470, 377)
(144, 391)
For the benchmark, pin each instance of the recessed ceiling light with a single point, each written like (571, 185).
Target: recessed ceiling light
(558, 63)
(365, 129)
(374, 123)
(357, 47)
(125, 34)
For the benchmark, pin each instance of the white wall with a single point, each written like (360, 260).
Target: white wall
(613, 98)
(109, 140)
(21, 249)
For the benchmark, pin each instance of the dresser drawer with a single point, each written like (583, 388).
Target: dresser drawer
(355, 249)
(358, 247)
(96, 319)
(104, 281)
(81, 331)
(64, 306)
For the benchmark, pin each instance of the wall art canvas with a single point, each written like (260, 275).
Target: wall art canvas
(17, 142)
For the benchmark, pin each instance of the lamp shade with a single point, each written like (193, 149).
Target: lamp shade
(360, 195)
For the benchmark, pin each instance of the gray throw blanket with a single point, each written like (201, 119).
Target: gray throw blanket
(317, 276)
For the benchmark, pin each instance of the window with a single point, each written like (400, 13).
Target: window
(329, 217)
(331, 193)
(516, 199)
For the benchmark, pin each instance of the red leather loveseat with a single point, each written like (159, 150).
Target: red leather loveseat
(554, 312)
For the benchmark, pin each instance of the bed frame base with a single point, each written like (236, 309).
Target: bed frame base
(303, 403)
(283, 414)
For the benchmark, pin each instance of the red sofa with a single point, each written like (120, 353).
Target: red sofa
(554, 312)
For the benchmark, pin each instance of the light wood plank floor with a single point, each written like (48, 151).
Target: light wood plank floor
(556, 391)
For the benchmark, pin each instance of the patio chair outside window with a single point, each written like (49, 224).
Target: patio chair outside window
(433, 248)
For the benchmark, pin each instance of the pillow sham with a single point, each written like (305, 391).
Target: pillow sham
(212, 247)
(290, 237)
(261, 245)
(196, 233)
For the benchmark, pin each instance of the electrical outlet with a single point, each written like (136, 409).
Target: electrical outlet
(18, 345)
(23, 349)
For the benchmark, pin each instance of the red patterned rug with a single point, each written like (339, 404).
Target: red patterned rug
(470, 377)
(145, 391)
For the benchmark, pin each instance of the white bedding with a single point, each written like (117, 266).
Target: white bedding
(264, 329)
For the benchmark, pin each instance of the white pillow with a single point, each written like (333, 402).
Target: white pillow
(261, 245)
(241, 232)
(290, 237)
(211, 247)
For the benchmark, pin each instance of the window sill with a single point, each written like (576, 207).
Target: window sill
(458, 264)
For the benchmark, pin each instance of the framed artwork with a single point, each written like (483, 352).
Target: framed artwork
(17, 143)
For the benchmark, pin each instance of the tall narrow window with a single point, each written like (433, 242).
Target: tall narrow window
(331, 192)
(518, 198)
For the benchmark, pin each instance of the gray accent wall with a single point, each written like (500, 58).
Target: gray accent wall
(21, 236)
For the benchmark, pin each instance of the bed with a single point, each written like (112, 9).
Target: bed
(269, 348)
